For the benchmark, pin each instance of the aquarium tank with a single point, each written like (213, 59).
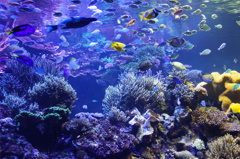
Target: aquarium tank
(119, 79)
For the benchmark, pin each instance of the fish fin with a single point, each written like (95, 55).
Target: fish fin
(51, 28)
(9, 32)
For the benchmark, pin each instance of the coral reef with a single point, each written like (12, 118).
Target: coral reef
(221, 89)
(141, 91)
(23, 77)
(208, 120)
(224, 147)
(54, 90)
(97, 136)
(43, 128)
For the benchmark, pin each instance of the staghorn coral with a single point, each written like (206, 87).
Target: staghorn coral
(139, 91)
(224, 147)
(54, 90)
(221, 89)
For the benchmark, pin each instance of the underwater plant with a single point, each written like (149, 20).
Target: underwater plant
(140, 91)
(54, 90)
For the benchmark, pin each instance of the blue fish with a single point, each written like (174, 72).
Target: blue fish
(23, 59)
(177, 41)
(111, 10)
(22, 30)
(39, 71)
(93, 2)
(74, 22)
(176, 79)
(161, 44)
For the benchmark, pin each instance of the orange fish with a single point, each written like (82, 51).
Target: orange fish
(131, 22)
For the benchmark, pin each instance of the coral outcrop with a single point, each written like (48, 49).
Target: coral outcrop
(141, 91)
(224, 147)
(54, 90)
(222, 88)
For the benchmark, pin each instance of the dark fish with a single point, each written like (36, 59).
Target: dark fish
(29, 8)
(109, 14)
(7, 70)
(109, 1)
(18, 51)
(111, 10)
(137, 2)
(74, 22)
(28, 2)
(176, 79)
(22, 30)
(76, 1)
(93, 2)
(25, 60)
(29, 43)
(2, 6)
(14, 3)
(177, 42)
(133, 6)
(57, 14)
(145, 65)
(128, 3)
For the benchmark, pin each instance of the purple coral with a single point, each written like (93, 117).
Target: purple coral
(102, 138)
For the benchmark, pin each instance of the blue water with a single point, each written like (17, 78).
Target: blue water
(87, 60)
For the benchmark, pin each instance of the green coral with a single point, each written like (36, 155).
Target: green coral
(53, 91)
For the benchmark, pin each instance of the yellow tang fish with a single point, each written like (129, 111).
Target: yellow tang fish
(118, 46)
(149, 14)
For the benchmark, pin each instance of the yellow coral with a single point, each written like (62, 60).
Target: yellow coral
(222, 88)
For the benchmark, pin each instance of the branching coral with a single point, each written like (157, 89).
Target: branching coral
(14, 103)
(139, 91)
(22, 77)
(54, 90)
(224, 147)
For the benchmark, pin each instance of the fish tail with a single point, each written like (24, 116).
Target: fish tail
(14, 55)
(141, 17)
(51, 28)
(9, 32)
